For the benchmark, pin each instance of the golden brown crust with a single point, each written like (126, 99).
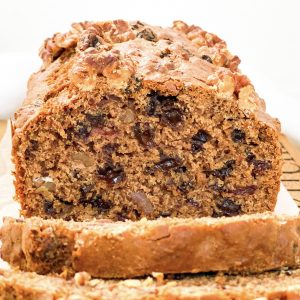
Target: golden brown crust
(251, 243)
(122, 50)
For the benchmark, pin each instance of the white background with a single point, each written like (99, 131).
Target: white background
(264, 34)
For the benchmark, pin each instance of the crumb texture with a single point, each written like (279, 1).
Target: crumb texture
(241, 244)
(30, 286)
(126, 120)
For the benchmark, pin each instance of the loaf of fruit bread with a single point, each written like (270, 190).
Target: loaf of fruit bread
(105, 249)
(126, 120)
(268, 286)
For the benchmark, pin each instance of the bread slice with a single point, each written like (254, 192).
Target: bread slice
(30, 286)
(249, 243)
(127, 120)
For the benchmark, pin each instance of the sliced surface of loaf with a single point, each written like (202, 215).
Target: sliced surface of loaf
(248, 243)
(30, 286)
(127, 120)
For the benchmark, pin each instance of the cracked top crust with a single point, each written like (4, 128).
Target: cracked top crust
(120, 54)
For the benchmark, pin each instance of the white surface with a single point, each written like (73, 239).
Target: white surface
(265, 34)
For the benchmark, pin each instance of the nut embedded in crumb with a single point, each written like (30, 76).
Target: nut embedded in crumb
(248, 99)
(132, 283)
(82, 278)
(159, 277)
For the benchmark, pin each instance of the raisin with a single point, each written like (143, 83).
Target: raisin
(153, 103)
(82, 130)
(33, 146)
(246, 190)
(207, 58)
(167, 163)
(164, 108)
(223, 172)
(228, 207)
(85, 189)
(48, 207)
(165, 214)
(172, 116)
(97, 202)
(109, 149)
(111, 174)
(181, 169)
(217, 187)
(157, 102)
(260, 166)
(250, 157)
(96, 120)
(198, 140)
(193, 203)
(147, 34)
(238, 136)
(185, 186)
(144, 134)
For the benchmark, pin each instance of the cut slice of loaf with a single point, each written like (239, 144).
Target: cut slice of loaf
(249, 243)
(127, 120)
(30, 286)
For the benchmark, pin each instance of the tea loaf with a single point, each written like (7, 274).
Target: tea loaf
(30, 286)
(125, 120)
(248, 243)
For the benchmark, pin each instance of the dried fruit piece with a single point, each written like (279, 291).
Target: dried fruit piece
(33, 146)
(171, 116)
(223, 172)
(85, 189)
(193, 203)
(181, 169)
(109, 149)
(165, 108)
(228, 207)
(250, 157)
(82, 130)
(144, 133)
(185, 186)
(244, 190)
(111, 174)
(260, 166)
(153, 103)
(238, 136)
(167, 163)
(48, 207)
(97, 120)
(143, 203)
(198, 140)
(97, 202)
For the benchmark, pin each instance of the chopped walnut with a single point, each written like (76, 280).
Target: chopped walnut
(248, 99)
(226, 87)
